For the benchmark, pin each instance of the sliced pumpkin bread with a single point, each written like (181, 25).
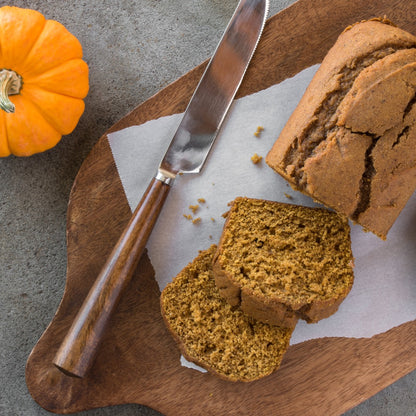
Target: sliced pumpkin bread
(280, 262)
(213, 334)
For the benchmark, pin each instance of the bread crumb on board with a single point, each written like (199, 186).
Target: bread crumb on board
(201, 200)
(256, 158)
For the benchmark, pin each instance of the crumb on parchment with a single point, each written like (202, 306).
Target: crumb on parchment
(194, 208)
(258, 131)
(193, 220)
(256, 158)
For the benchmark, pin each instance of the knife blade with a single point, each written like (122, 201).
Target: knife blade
(186, 153)
(216, 90)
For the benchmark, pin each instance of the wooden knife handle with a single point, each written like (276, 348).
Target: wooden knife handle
(81, 343)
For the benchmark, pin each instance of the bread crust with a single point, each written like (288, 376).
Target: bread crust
(357, 122)
(273, 313)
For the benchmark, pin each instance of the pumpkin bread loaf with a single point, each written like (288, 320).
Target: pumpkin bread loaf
(215, 335)
(280, 262)
(351, 141)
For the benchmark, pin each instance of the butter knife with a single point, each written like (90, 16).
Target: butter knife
(186, 153)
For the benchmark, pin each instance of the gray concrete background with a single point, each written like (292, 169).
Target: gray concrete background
(133, 48)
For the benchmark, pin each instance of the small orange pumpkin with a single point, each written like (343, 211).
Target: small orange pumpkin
(43, 81)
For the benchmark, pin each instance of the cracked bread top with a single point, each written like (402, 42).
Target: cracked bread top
(363, 92)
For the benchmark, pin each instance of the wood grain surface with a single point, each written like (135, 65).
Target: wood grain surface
(319, 377)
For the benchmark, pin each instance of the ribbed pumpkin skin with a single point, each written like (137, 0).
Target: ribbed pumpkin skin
(55, 81)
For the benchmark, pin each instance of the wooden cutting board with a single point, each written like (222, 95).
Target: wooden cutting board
(138, 361)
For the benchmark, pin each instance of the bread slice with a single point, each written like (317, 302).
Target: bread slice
(281, 262)
(351, 141)
(214, 335)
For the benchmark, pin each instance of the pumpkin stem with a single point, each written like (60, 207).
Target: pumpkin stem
(10, 84)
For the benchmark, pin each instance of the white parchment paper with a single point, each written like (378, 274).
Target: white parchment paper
(384, 292)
